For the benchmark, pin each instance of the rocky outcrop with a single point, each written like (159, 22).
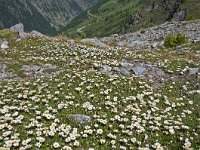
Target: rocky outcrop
(17, 28)
(153, 37)
(180, 15)
(136, 18)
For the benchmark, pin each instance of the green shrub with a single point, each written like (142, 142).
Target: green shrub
(142, 31)
(181, 39)
(175, 40)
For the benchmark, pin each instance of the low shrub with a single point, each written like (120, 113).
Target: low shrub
(175, 40)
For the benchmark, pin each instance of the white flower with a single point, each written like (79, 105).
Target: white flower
(38, 144)
(113, 142)
(67, 140)
(40, 139)
(56, 145)
(76, 143)
(99, 131)
(67, 148)
(102, 141)
(133, 140)
(171, 131)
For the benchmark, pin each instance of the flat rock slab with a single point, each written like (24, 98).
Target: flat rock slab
(39, 71)
(81, 118)
(138, 71)
(193, 71)
(34, 68)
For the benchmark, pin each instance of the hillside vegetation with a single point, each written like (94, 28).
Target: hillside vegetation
(57, 93)
(122, 16)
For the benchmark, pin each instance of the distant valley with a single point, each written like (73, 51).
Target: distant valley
(46, 16)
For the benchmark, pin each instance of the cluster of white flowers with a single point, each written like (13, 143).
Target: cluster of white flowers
(125, 112)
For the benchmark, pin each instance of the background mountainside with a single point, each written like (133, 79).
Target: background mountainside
(45, 16)
(122, 16)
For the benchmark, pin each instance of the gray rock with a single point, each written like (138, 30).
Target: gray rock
(180, 15)
(127, 65)
(193, 71)
(136, 18)
(23, 35)
(81, 118)
(106, 69)
(124, 72)
(4, 74)
(86, 104)
(160, 73)
(50, 66)
(36, 33)
(95, 42)
(17, 28)
(34, 68)
(154, 45)
(138, 71)
(26, 68)
(4, 45)
(116, 69)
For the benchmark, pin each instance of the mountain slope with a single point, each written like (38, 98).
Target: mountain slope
(45, 16)
(121, 16)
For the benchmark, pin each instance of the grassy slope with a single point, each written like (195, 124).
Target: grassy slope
(40, 95)
(112, 17)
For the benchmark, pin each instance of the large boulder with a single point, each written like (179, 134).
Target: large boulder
(33, 68)
(18, 28)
